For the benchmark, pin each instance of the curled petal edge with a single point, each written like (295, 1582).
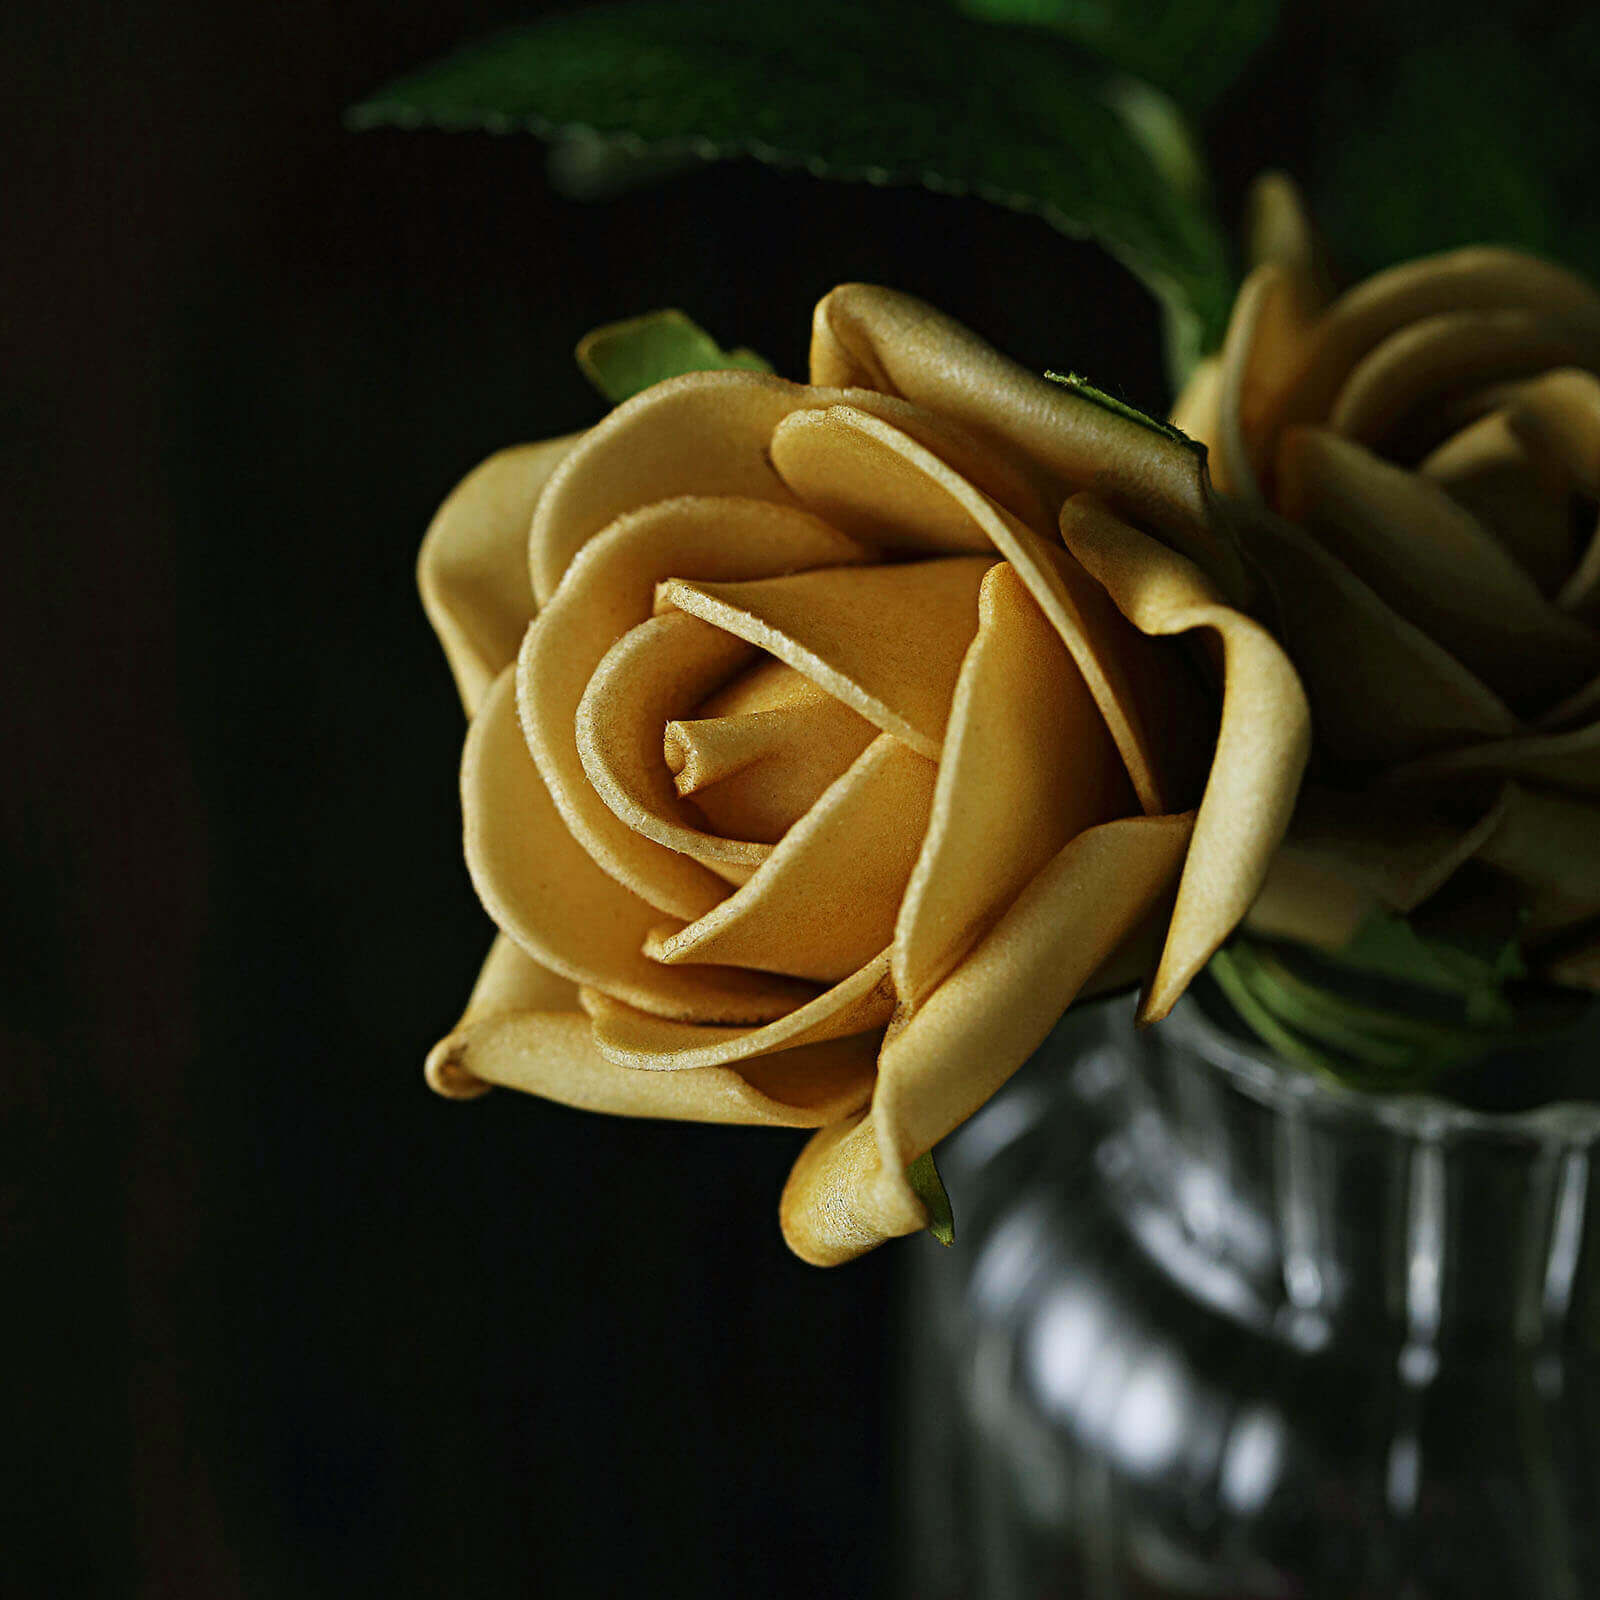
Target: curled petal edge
(848, 1191)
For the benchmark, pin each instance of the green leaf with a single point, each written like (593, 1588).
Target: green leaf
(1193, 49)
(887, 93)
(622, 358)
(924, 1178)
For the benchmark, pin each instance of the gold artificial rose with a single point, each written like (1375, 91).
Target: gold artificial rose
(1417, 464)
(826, 742)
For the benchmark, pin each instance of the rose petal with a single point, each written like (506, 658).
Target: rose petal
(1267, 332)
(1027, 765)
(541, 888)
(848, 1191)
(663, 666)
(1380, 688)
(1480, 278)
(609, 589)
(887, 640)
(1569, 761)
(839, 1203)
(1395, 853)
(846, 465)
(824, 901)
(853, 1010)
(1308, 903)
(1195, 411)
(1523, 499)
(553, 1055)
(1549, 844)
(509, 980)
(757, 755)
(1436, 354)
(880, 339)
(1262, 743)
(1278, 229)
(473, 566)
(1133, 685)
(705, 433)
(1559, 415)
(1408, 541)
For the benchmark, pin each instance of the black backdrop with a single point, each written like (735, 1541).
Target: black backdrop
(282, 1322)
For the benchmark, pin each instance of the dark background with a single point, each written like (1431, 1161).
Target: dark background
(281, 1322)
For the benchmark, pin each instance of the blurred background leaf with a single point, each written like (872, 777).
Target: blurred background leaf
(895, 92)
(1447, 125)
(1192, 50)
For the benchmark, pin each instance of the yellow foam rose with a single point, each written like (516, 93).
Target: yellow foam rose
(828, 740)
(1418, 465)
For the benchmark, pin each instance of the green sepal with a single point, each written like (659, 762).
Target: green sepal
(924, 1178)
(622, 358)
(1080, 385)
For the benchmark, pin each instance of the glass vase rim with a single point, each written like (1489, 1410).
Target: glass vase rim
(1421, 1114)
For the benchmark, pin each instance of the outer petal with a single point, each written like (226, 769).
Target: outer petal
(540, 887)
(854, 1010)
(510, 980)
(1279, 229)
(1196, 410)
(702, 434)
(521, 1030)
(1027, 765)
(552, 1055)
(883, 340)
(473, 566)
(1262, 743)
(1268, 334)
(1266, 337)
(848, 1191)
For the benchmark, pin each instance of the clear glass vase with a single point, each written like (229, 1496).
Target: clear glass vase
(1214, 1326)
